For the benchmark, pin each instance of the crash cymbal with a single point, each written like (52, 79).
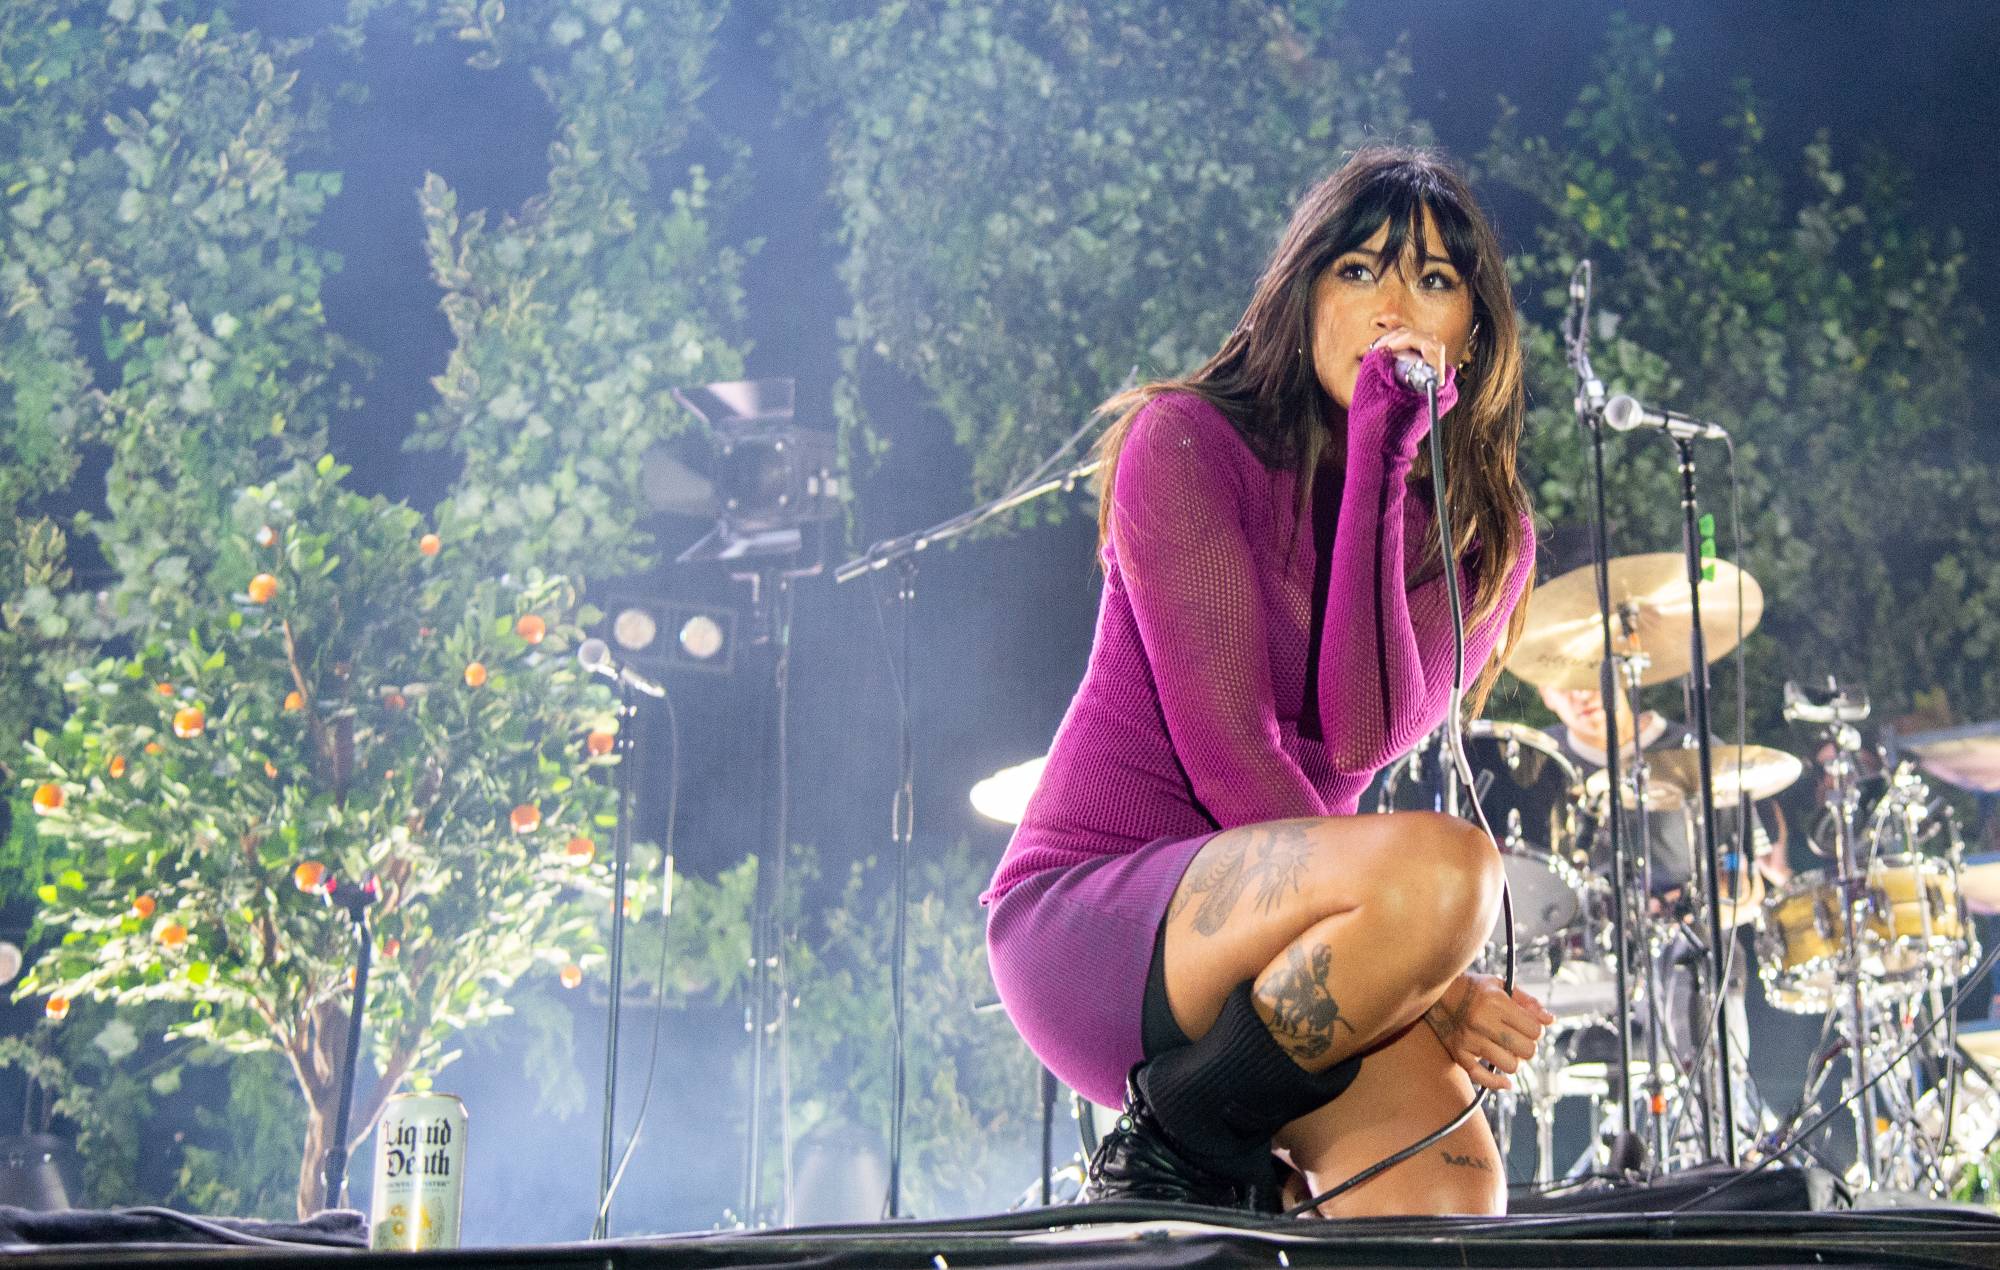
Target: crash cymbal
(1004, 795)
(1764, 771)
(1968, 757)
(1651, 614)
(1660, 795)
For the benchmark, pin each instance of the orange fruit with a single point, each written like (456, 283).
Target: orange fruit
(600, 743)
(395, 701)
(391, 946)
(475, 675)
(526, 818)
(266, 536)
(430, 544)
(531, 628)
(117, 766)
(352, 978)
(270, 769)
(164, 688)
(309, 875)
(572, 975)
(143, 906)
(262, 588)
(172, 934)
(57, 1008)
(154, 747)
(581, 848)
(294, 700)
(190, 722)
(48, 798)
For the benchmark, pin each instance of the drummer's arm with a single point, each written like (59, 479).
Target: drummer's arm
(1773, 859)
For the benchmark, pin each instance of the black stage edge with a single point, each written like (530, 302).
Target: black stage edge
(1144, 1235)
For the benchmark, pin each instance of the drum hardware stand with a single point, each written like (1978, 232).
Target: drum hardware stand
(1838, 713)
(1589, 405)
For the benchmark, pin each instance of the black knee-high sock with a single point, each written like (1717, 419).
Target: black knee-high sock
(1221, 1098)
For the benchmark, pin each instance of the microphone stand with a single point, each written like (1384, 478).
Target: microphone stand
(901, 551)
(1698, 647)
(621, 846)
(354, 901)
(1590, 415)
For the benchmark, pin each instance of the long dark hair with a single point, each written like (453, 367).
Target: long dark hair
(1264, 381)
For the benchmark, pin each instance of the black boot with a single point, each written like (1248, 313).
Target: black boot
(1136, 1160)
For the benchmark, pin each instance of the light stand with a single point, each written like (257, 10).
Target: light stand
(771, 480)
(355, 902)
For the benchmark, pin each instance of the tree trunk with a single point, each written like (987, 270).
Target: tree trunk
(316, 1052)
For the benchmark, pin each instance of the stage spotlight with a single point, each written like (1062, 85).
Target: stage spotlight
(769, 479)
(701, 637)
(634, 629)
(660, 635)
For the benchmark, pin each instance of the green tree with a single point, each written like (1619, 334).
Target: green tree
(297, 683)
(1035, 198)
(1805, 305)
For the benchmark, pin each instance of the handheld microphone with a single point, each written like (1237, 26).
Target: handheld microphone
(1414, 373)
(595, 656)
(1624, 413)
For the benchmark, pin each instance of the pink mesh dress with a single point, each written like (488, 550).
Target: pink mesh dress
(1235, 677)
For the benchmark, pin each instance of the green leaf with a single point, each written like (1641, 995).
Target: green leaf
(47, 893)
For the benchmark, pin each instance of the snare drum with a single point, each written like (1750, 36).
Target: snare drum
(1530, 794)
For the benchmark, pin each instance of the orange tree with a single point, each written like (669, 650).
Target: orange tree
(359, 700)
(282, 681)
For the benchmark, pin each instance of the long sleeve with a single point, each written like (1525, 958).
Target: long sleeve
(1386, 670)
(1190, 576)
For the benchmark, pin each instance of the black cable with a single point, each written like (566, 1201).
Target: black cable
(1455, 744)
(1979, 972)
(660, 985)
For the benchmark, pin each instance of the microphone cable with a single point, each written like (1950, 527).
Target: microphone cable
(660, 983)
(1461, 771)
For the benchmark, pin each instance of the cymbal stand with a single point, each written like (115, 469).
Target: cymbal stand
(1631, 671)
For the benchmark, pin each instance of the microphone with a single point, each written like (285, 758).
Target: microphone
(1624, 413)
(1414, 373)
(595, 656)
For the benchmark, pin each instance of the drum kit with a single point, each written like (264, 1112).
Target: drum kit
(1871, 942)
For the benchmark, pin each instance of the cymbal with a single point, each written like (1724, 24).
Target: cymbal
(1004, 795)
(1764, 771)
(1563, 642)
(1660, 795)
(1968, 757)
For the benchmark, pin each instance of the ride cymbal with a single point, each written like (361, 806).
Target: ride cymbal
(1652, 616)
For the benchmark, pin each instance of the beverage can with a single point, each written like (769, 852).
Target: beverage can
(419, 1168)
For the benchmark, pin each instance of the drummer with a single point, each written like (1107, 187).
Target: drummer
(1585, 734)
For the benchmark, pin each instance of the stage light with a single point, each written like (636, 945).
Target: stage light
(769, 478)
(634, 629)
(657, 636)
(701, 637)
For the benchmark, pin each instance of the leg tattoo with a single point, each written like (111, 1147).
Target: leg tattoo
(1272, 859)
(1304, 1016)
(1467, 1161)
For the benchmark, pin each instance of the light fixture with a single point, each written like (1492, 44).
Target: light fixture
(660, 635)
(769, 478)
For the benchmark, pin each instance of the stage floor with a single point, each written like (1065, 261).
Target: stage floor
(1136, 1235)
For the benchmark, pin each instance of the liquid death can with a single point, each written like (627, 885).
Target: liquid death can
(419, 1167)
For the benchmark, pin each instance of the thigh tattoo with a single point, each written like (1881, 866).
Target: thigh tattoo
(1273, 859)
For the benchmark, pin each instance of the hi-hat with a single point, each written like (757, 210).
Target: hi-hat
(1660, 795)
(1763, 772)
(1651, 614)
